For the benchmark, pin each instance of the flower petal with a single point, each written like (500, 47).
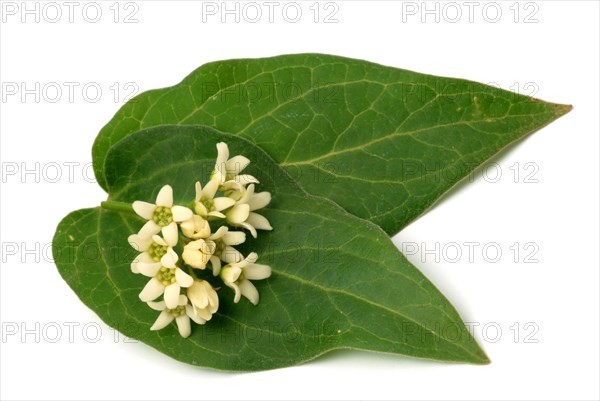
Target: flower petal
(193, 257)
(148, 269)
(231, 255)
(203, 313)
(246, 179)
(238, 214)
(213, 300)
(258, 221)
(248, 193)
(183, 324)
(219, 233)
(159, 306)
(170, 233)
(211, 187)
(183, 279)
(143, 257)
(159, 240)
(222, 156)
(163, 321)
(208, 249)
(181, 213)
(223, 203)
(200, 209)
(251, 258)
(198, 191)
(197, 295)
(249, 291)
(216, 214)
(196, 227)
(234, 237)
(165, 196)
(259, 200)
(230, 274)
(232, 186)
(197, 244)
(169, 259)
(238, 293)
(189, 310)
(172, 295)
(250, 228)
(139, 243)
(216, 265)
(152, 290)
(257, 271)
(149, 229)
(143, 209)
(236, 164)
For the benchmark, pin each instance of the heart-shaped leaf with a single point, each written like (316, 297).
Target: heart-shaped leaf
(338, 281)
(383, 143)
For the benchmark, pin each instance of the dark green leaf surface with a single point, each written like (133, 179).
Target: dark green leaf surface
(338, 281)
(383, 143)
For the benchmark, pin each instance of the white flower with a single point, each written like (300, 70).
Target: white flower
(223, 241)
(182, 312)
(165, 278)
(198, 253)
(206, 205)
(204, 299)
(238, 275)
(233, 190)
(242, 215)
(230, 169)
(162, 215)
(153, 249)
(195, 228)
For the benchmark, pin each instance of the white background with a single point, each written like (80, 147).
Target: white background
(554, 301)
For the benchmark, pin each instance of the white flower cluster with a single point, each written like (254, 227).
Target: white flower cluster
(171, 228)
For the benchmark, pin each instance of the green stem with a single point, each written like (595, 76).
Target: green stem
(117, 206)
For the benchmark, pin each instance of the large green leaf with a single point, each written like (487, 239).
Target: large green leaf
(383, 143)
(338, 281)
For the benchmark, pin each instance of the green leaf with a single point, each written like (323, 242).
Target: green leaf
(383, 143)
(338, 281)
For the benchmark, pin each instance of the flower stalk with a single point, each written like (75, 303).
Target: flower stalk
(117, 206)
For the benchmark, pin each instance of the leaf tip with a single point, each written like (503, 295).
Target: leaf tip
(562, 109)
(483, 360)
(480, 357)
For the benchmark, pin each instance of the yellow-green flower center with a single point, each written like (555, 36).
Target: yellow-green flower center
(219, 247)
(157, 251)
(208, 203)
(162, 216)
(178, 311)
(234, 194)
(166, 276)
